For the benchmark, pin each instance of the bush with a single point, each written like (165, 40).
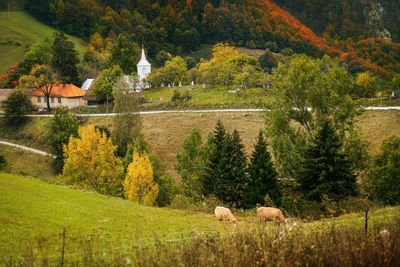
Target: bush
(16, 106)
(167, 190)
(3, 162)
(177, 97)
(383, 179)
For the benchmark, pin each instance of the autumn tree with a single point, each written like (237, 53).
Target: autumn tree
(90, 162)
(220, 68)
(64, 58)
(366, 83)
(126, 124)
(305, 92)
(139, 185)
(42, 78)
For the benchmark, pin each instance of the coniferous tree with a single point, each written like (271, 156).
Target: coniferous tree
(237, 180)
(213, 170)
(325, 168)
(262, 175)
(64, 58)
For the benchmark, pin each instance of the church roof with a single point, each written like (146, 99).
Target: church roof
(143, 61)
(86, 85)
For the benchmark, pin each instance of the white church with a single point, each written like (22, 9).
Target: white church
(143, 70)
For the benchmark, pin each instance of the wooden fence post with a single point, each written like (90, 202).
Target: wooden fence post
(63, 248)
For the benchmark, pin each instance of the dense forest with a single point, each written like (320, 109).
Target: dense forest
(348, 18)
(340, 28)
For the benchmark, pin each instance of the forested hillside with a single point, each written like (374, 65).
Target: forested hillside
(180, 26)
(358, 32)
(348, 18)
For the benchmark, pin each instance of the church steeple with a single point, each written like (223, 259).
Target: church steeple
(143, 59)
(143, 67)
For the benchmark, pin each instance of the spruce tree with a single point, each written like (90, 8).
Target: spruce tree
(237, 170)
(64, 58)
(213, 170)
(262, 176)
(325, 168)
(231, 183)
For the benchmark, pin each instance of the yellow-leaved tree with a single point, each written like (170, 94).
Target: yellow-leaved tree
(139, 185)
(90, 161)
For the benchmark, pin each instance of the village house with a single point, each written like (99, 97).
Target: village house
(67, 95)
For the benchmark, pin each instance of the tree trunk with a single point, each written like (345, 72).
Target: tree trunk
(48, 102)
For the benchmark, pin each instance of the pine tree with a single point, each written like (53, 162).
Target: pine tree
(64, 58)
(236, 184)
(325, 169)
(213, 170)
(262, 175)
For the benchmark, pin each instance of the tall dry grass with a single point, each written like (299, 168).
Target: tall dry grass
(326, 245)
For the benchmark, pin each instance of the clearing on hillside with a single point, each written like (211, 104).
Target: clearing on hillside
(18, 31)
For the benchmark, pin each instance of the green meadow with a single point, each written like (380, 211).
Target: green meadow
(33, 215)
(18, 31)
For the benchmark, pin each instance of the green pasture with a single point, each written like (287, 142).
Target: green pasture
(31, 209)
(217, 97)
(18, 31)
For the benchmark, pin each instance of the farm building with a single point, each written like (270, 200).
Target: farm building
(61, 95)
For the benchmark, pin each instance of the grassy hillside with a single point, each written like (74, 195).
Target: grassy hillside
(34, 213)
(31, 208)
(26, 163)
(18, 31)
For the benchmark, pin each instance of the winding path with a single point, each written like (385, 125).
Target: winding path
(36, 151)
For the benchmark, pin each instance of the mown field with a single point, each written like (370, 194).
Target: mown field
(166, 133)
(18, 31)
(103, 230)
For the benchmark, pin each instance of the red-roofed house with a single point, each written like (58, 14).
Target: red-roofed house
(61, 95)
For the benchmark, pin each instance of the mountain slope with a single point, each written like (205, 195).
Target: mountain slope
(348, 18)
(18, 31)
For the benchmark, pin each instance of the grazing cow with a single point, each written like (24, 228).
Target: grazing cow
(224, 214)
(270, 214)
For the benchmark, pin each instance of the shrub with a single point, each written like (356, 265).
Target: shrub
(16, 106)
(177, 97)
(3, 162)
(61, 127)
(383, 179)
